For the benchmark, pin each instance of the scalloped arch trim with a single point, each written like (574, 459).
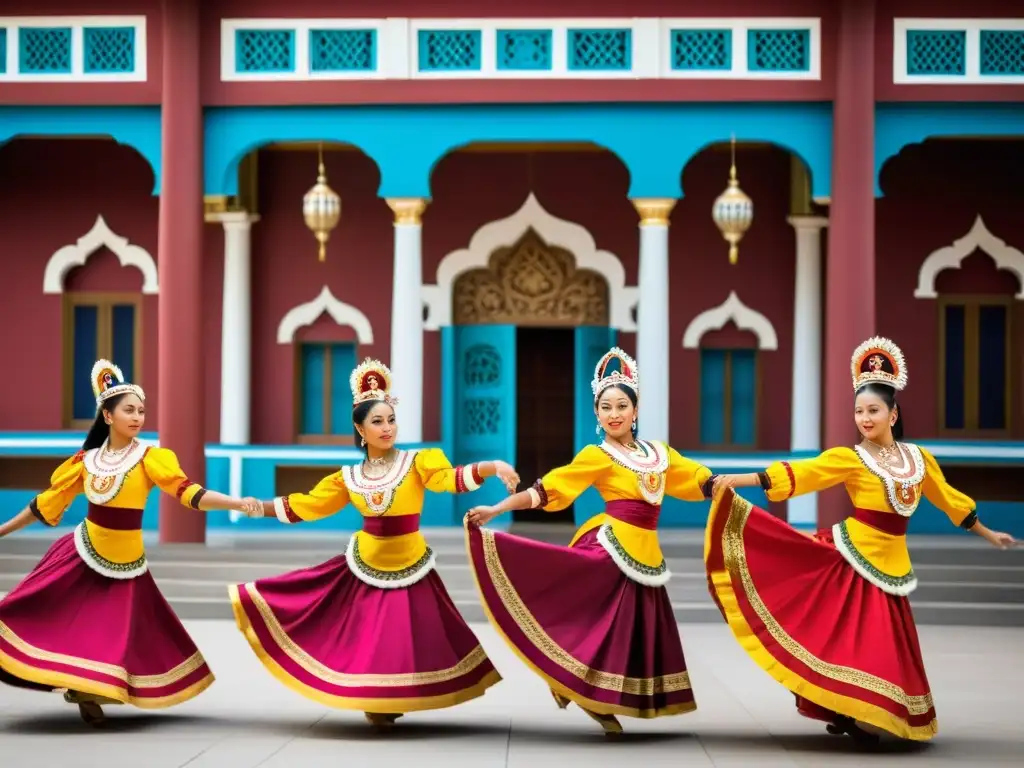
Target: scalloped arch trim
(746, 319)
(952, 257)
(502, 233)
(307, 313)
(101, 235)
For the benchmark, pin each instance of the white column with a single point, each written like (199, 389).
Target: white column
(805, 410)
(652, 347)
(407, 315)
(236, 329)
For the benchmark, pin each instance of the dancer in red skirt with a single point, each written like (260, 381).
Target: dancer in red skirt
(373, 629)
(828, 616)
(594, 619)
(89, 620)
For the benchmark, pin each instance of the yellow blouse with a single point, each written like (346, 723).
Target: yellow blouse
(119, 484)
(647, 474)
(399, 555)
(880, 557)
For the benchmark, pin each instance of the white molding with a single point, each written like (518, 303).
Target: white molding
(740, 56)
(952, 256)
(502, 233)
(70, 256)
(391, 40)
(307, 313)
(77, 25)
(746, 319)
(972, 51)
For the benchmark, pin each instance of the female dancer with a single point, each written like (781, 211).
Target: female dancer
(594, 619)
(828, 616)
(89, 619)
(373, 629)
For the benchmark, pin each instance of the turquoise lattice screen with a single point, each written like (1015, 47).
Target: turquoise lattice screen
(343, 50)
(600, 49)
(108, 49)
(3, 50)
(701, 49)
(265, 50)
(44, 50)
(448, 50)
(524, 49)
(778, 50)
(936, 52)
(1002, 52)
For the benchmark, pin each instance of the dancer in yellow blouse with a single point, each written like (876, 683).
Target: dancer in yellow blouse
(594, 619)
(373, 629)
(828, 616)
(89, 619)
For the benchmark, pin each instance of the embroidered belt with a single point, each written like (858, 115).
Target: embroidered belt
(886, 522)
(634, 512)
(391, 525)
(114, 518)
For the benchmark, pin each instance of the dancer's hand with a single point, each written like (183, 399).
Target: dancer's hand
(482, 515)
(507, 474)
(722, 482)
(252, 507)
(1001, 540)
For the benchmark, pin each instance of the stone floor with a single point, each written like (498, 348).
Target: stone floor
(247, 719)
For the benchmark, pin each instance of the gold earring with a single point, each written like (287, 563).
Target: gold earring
(362, 442)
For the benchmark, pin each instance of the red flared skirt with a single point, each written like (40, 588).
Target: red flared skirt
(595, 636)
(838, 642)
(67, 626)
(342, 642)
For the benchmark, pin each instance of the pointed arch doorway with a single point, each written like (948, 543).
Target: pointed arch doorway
(527, 329)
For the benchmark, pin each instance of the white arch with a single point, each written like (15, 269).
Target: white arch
(732, 308)
(952, 257)
(305, 314)
(71, 256)
(554, 231)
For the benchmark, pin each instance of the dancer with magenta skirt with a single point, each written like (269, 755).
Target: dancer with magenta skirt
(594, 619)
(89, 620)
(373, 629)
(828, 616)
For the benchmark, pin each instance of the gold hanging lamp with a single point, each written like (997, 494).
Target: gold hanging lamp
(321, 207)
(733, 211)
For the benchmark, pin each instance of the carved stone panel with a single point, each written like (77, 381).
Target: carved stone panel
(531, 284)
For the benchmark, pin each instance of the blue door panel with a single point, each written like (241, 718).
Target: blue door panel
(591, 344)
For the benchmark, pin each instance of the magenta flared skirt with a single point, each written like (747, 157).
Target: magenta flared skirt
(595, 636)
(67, 626)
(342, 642)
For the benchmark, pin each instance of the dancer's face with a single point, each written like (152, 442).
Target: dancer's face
(380, 430)
(615, 413)
(874, 418)
(127, 418)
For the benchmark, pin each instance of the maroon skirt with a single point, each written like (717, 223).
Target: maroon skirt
(67, 626)
(335, 639)
(594, 635)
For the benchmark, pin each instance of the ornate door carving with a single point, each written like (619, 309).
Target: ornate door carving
(531, 284)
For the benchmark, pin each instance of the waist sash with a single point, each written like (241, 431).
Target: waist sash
(886, 522)
(391, 525)
(635, 512)
(115, 518)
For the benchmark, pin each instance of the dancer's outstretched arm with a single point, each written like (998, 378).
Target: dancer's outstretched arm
(483, 514)
(16, 523)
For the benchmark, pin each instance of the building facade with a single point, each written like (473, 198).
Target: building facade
(518, 192)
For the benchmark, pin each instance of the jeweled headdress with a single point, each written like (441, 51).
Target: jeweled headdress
(878, 360)
(626, 374)
(371, 380)
(108, 382)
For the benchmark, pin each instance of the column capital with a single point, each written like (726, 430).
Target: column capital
(808, 222)
(654, 210)
(408, 210)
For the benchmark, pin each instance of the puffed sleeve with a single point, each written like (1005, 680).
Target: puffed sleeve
(959, 507)
(66, 483)
(560, 487)
(438, 474)
(161, 464)
(686, 479)
(786, 479)
(328, 497)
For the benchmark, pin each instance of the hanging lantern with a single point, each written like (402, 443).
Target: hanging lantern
(321, 207)
(733, 211)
